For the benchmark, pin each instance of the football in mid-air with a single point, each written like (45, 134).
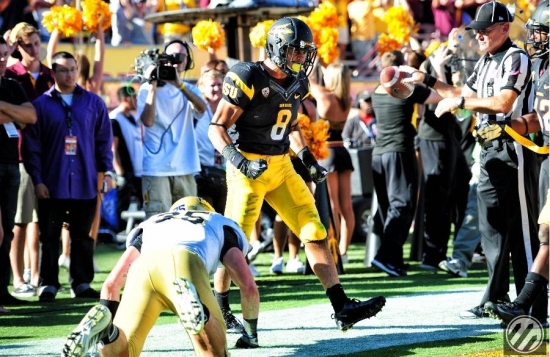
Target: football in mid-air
(391, 79)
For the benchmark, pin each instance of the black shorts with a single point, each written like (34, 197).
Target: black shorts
(339, 160)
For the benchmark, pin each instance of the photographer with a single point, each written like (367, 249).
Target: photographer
(167, 106)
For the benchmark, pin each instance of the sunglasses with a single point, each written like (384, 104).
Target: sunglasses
(487, 30)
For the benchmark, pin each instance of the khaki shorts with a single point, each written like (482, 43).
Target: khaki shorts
(26, 200)
(160, 192)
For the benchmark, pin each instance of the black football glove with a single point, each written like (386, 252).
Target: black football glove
(317, 172)
(250, 168)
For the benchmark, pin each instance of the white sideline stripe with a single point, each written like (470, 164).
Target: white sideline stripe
(309, 331)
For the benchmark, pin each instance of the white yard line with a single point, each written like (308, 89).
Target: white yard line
(310, 331)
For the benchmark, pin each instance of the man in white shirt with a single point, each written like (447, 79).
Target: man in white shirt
(170, 156)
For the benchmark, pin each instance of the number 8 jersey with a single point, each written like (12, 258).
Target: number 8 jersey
(269, 107)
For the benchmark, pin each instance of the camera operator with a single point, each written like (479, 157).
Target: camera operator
(167, 106)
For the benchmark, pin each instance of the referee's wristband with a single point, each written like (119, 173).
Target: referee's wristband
(429, 80)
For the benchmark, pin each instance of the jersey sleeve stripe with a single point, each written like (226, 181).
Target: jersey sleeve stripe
(249, 92)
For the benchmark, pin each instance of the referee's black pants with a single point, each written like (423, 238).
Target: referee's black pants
(507, 203)
(395, 178)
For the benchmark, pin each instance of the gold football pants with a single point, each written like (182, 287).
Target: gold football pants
(282, 188)
(150, 290)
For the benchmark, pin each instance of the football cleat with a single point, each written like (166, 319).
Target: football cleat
(190, 310)
(247, 341)
(232, 323)
(508, 311)
(355, 311)
(91, 330)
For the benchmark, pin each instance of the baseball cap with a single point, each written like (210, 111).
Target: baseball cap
(490, 13)
(364, 95)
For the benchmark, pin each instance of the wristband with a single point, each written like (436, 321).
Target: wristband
(233, 155)
(307, 157)
(183, 85)
(429, 80)
(109, 173)
(526, 125)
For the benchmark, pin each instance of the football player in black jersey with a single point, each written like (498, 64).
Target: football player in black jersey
(537, 279)
(262, 100)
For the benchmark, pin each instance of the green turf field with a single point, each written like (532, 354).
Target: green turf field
(37, 321)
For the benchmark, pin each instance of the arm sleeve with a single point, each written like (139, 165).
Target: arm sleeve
(517, 71)
(135, 238)
(104, 139)
(117, 132)
(230, 241)
(32, 148)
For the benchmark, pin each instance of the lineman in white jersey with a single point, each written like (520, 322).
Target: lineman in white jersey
(171, 255)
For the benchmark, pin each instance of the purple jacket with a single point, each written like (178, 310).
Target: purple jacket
(44, 157)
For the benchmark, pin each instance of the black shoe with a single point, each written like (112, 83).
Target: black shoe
(477, 312)
(389, 269)
(232, 323)
(429, 263)
(8, 300)
(247, 342)
(88, 294)
(508, 311)
(355, 311)
(46, 297)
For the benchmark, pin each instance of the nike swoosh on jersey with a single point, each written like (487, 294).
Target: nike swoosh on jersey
(296, 96)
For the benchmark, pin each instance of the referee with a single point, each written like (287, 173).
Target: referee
(499, 89)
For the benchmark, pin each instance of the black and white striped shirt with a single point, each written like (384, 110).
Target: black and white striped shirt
(509, 68)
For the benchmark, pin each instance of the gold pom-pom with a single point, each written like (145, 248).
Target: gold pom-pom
(400, 27)
(387, 44)
(323, 22)
(328, 45)
(67, 19)
(208, 34)
(316, 135)
(92, 12)
(325, 15)
(258, 33)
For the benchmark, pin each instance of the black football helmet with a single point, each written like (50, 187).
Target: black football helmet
(539, 22)
(286, 37)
